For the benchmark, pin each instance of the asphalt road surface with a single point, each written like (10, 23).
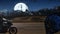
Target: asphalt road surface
(30, 28)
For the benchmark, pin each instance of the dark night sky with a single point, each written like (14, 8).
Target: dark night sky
(32, 4)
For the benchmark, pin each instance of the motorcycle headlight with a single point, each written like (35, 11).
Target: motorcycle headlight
(4, 19)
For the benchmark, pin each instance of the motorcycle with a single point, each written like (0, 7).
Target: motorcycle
(6, 26)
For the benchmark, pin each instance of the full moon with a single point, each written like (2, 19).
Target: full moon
(21, 7)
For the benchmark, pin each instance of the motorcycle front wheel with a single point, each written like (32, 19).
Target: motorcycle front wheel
(12, 30)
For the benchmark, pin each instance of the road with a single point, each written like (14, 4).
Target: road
(30, 28)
